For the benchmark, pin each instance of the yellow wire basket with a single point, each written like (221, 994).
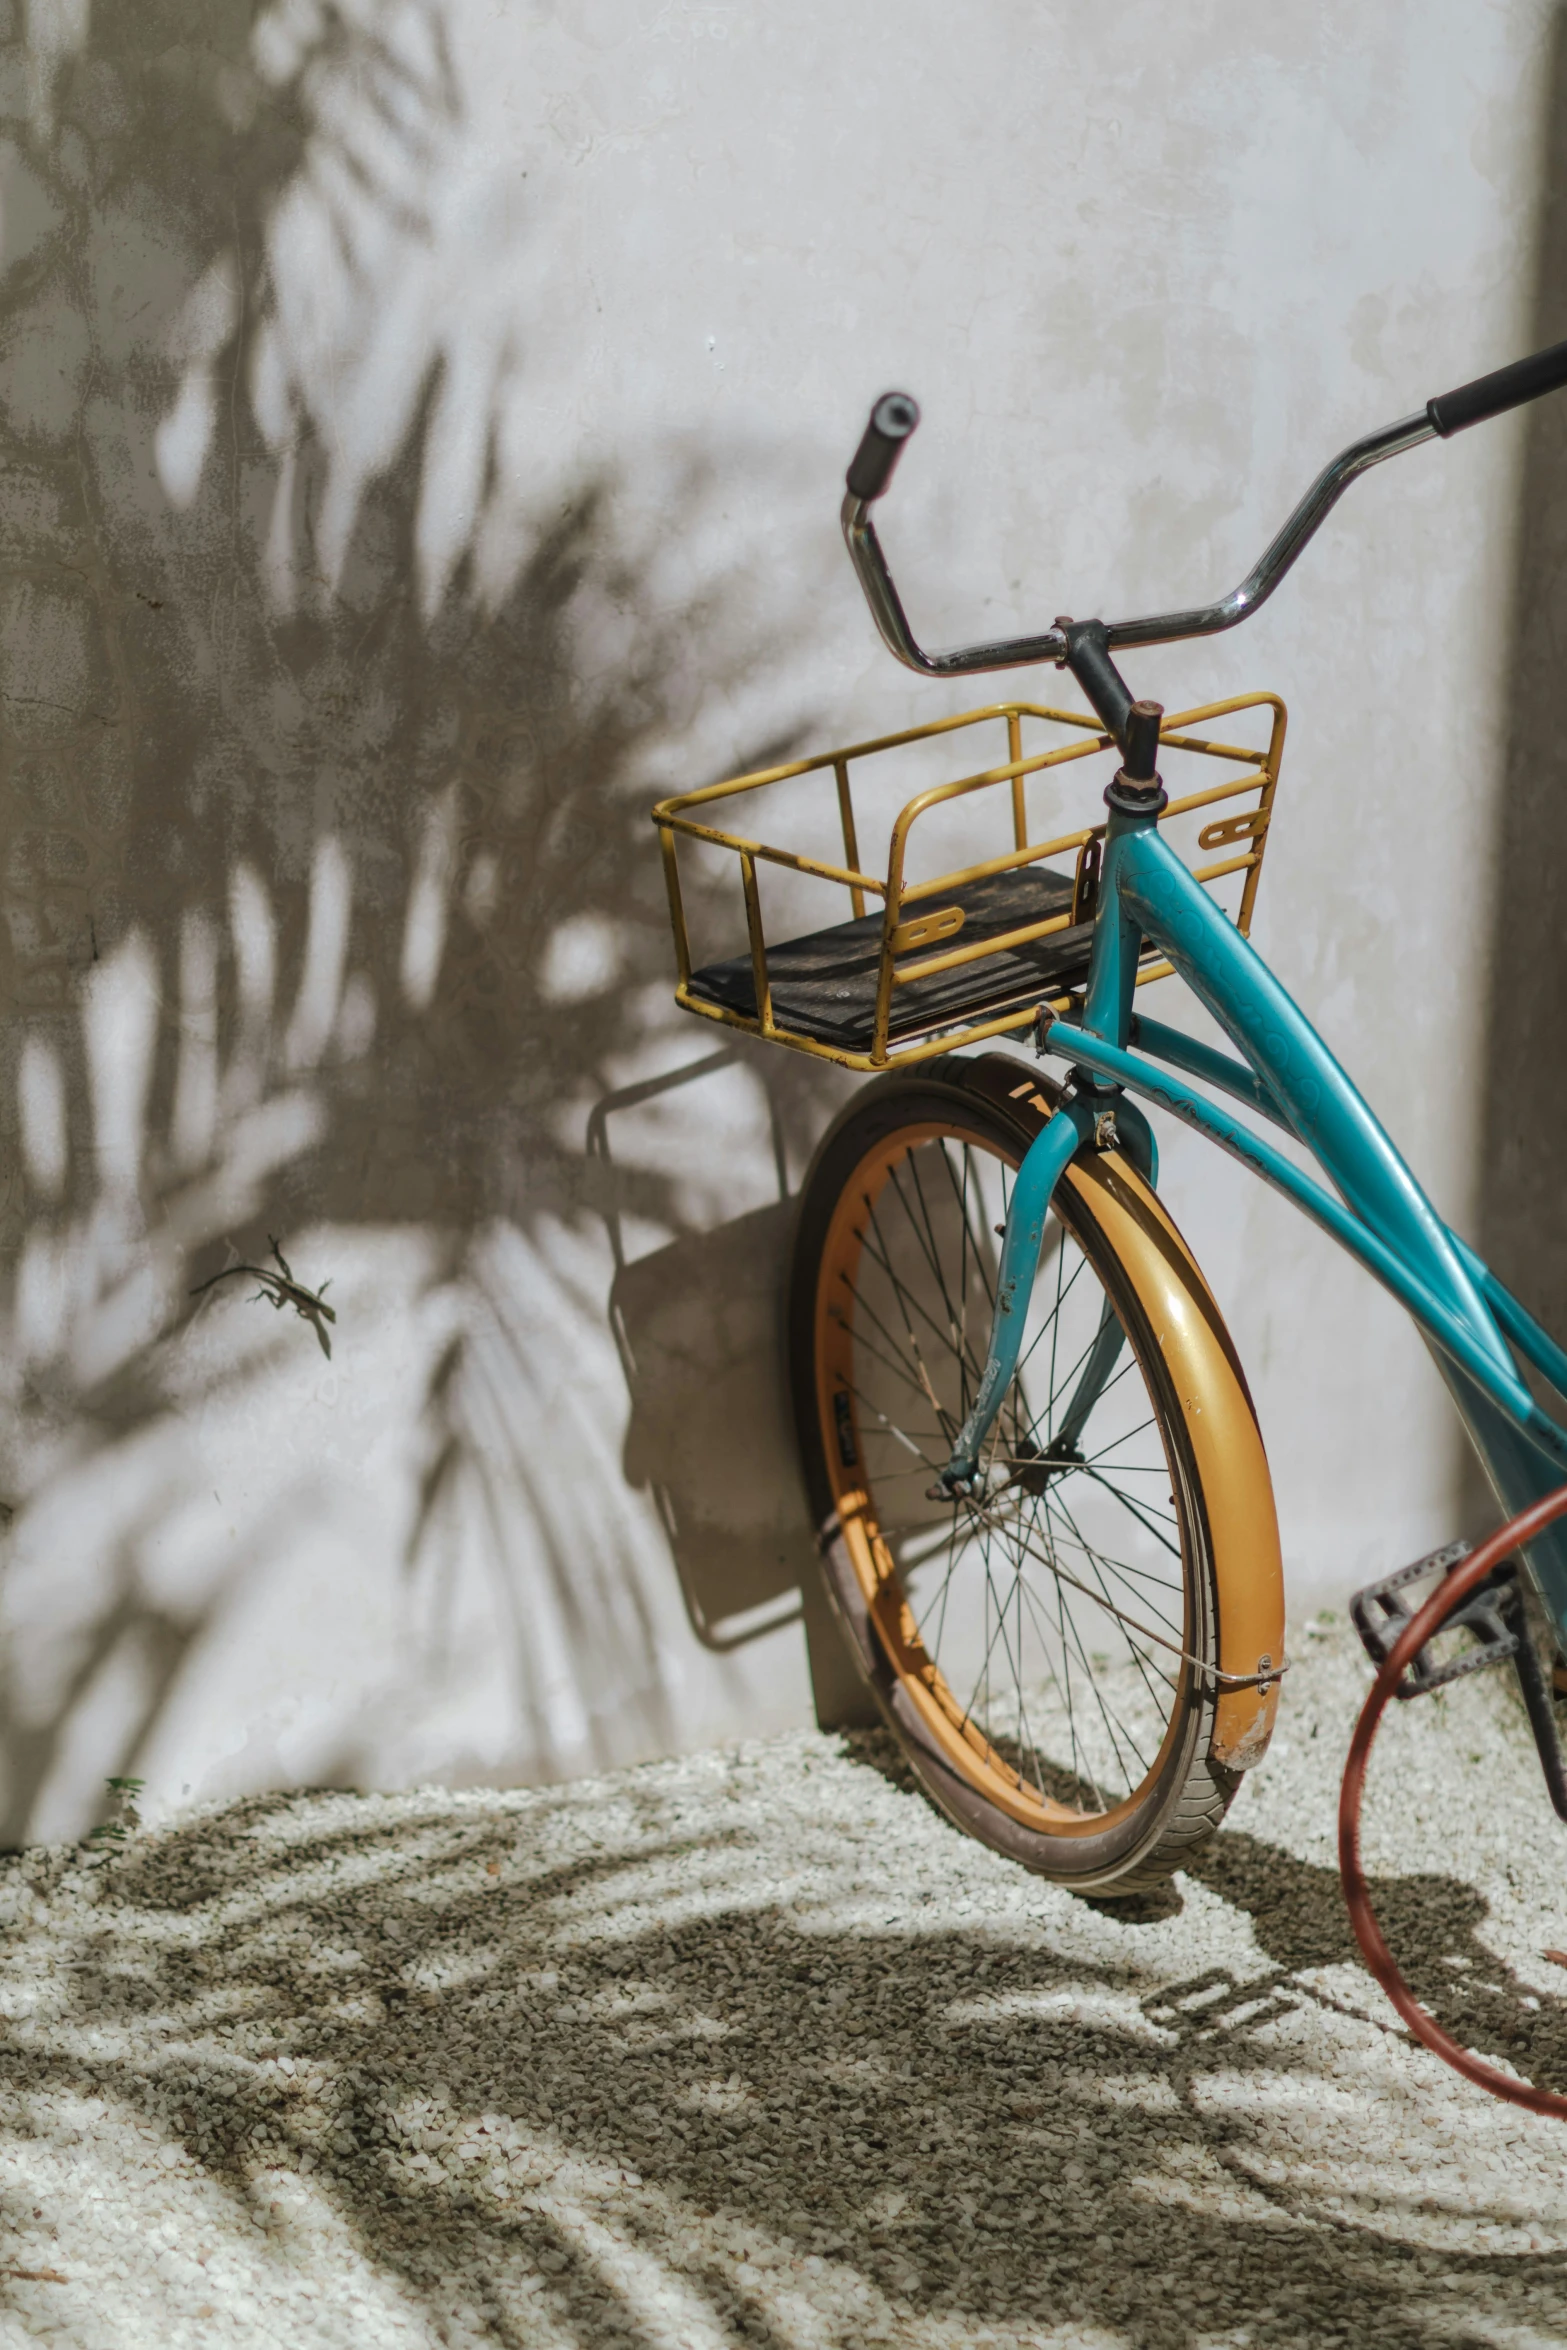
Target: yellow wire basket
(966, 952)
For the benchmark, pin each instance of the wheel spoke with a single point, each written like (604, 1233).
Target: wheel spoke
(904, 1300)
(922, 1381)
(892, 1429)
(890, 1362)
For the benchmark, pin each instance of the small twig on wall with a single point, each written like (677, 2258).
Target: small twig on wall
(280, 1289)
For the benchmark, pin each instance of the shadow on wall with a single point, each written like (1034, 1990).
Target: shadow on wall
(1523, 1226)
(332, 713)
(696, 1324)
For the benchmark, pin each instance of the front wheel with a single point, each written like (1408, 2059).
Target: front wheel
(1076, 1658)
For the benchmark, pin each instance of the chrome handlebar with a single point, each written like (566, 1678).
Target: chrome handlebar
(1086, 646)
(1164, 628)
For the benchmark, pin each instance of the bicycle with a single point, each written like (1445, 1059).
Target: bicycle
(1042, 1500)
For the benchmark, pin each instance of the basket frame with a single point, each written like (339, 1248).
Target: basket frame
(674, 819)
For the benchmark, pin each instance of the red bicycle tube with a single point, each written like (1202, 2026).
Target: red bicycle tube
(1451, 1594)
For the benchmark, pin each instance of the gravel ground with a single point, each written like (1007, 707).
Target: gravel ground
(751, 2048)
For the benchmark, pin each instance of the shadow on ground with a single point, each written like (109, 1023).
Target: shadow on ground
(560, 2046)
(1433, 1926)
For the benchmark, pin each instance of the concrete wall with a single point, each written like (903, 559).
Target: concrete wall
(423, 423)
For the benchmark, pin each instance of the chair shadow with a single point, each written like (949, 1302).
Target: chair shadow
(699, 1327)
(1433, 1926)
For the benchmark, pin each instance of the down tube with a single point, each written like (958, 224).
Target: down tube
(1337, 1126)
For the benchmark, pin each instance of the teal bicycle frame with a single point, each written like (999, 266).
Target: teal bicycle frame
(1289, 1076)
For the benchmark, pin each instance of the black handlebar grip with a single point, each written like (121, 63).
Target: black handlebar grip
(892, 420)
(1493, 395)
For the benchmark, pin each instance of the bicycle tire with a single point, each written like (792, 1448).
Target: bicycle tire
(877, 1216)
(1417, 1634)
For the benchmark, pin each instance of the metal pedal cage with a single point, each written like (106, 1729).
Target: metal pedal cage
(1492, 1610)
(1380, 1613)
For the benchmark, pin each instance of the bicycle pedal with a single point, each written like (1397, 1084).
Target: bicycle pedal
(1381, 1614)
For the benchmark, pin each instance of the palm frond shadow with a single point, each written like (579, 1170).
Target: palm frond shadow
(904, 2103)
(336, 900)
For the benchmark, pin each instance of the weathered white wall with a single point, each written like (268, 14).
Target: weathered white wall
(423, 428)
